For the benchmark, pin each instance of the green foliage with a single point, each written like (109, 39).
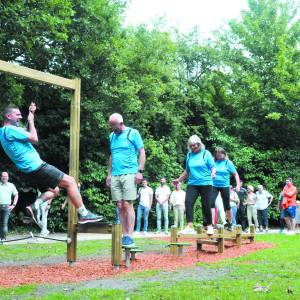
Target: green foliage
(238, 90)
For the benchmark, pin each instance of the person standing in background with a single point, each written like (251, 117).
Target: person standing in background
(177, 200)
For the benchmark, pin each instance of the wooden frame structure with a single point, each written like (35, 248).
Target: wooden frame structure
(74, 86)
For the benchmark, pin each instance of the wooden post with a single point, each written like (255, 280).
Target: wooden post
(199, 231)
(174, 239)
(74, 169)
(116, 246)
(252, 232)
(238, 235)
(221, 240)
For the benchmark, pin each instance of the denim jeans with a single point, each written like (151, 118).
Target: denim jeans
(179, 214)
(262, 215)
(233, 211)
(140, 211)
(4, 216)
(162, 209)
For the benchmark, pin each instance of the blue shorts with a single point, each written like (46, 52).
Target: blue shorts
(290, 212)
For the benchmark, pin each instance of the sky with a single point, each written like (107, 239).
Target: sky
(185, 14)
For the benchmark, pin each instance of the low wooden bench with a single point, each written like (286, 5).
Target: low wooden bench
(179, 247)
(133, 252)
(128, 250)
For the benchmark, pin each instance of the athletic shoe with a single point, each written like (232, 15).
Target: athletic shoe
(145, 233)
(188, 230)
(210, 230)
(158, 232)
(166, 232)
(228, 226)
(290, 232)
(31, 210)
(89, 218)
(127, 241)
(137, 233)
(267, 229)
(45, 234)
(2, 241)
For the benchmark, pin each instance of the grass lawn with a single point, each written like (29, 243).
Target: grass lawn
(268, 274)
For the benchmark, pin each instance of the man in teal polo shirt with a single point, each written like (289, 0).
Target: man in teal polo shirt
(7, 192)
(126, 164)
(17, 144)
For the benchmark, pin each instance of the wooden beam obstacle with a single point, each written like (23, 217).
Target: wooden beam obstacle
(217, 239)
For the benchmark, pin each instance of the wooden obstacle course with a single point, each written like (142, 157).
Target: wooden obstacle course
(217, 239)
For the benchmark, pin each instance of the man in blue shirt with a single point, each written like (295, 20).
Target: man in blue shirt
(17, 144)
(126, 164)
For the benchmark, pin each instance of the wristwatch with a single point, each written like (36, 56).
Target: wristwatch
(140, 171)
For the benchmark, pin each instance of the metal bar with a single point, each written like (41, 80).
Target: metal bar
(18, 239)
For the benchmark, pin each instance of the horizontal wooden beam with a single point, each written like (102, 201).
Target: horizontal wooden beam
(98, 227)
(35, 75)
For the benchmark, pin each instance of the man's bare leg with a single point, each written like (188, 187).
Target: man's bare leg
(130, 217)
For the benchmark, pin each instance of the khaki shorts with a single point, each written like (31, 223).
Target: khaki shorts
(123, 187)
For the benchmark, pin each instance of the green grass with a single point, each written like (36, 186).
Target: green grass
(275, 272)
(21, 252)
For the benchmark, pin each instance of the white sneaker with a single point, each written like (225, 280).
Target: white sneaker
(188, 230)
(45, 234)
(210, 230)
(145, 233)
(137, 233)
(290, 232)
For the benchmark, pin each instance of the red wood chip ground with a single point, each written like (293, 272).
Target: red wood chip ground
(91, 269)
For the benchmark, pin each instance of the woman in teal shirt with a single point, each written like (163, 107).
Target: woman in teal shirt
(200, 169)
(221, 183)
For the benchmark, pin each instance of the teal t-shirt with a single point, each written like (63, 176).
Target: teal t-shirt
(124, 149)
(224, 168)
(199, 166)
(14, 141)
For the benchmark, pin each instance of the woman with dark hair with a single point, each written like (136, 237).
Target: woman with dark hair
(221, 183)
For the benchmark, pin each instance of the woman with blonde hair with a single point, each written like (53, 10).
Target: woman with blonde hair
(251, 206)
(221, 183)
(199, 169)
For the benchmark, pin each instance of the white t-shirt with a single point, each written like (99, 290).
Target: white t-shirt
(262, 199)
(177, 198)
(163, 193)
(146, 195)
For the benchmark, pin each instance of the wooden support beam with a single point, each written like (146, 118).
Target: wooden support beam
(221, 240)
(35, 75)
(174, 239)
(239, 235)
(252, 233)
(116, 245)
(74, 169)
(199, 230)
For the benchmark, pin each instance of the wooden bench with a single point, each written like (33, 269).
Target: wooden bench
(127, 250)
(179, 247)
(133, 252)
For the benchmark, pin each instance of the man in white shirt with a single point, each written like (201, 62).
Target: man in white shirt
(8, 192)
(264, 199)
(177, 200)
(162, 195)
(145, 196)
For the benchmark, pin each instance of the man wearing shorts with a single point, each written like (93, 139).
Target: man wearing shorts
(17, 144)
(289, 194)
(126, 164)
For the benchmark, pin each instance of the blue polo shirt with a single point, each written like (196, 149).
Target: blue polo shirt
(124, 148)
(14, 141)
(224, 168)
(199, 166)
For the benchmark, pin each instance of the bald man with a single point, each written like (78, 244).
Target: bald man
(125, 168)
(8, 200)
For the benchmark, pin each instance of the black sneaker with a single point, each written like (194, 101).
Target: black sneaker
(31, 210)
(228, 226)
(89, 218)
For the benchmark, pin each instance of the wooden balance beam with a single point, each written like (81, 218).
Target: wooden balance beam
(217, 239)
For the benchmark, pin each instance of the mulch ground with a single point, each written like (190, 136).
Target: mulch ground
(92, 269)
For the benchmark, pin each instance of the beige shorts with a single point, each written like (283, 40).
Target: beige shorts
(123, 187)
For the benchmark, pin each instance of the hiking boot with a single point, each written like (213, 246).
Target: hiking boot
(89, 218)
(32, 211)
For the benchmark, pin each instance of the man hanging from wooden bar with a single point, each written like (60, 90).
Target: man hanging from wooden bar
(17, 143)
